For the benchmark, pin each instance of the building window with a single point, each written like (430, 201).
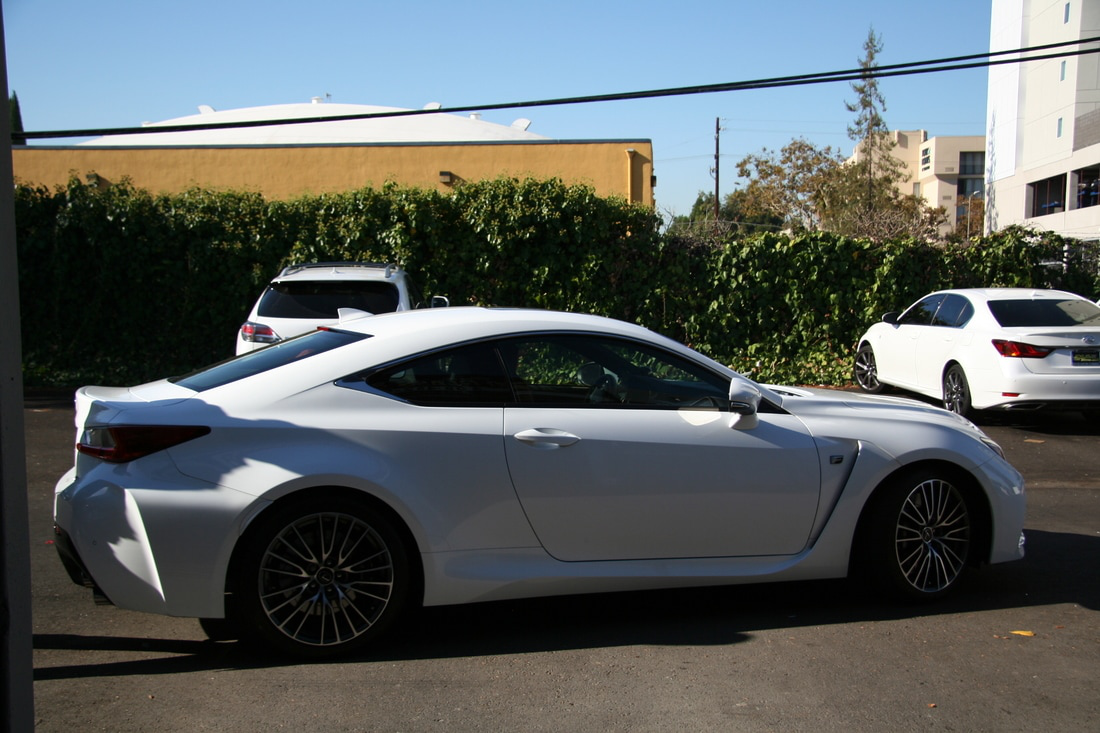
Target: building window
(1065, 16)
(1048, 196)
(971, 187)
(972, 164)
(1088, 186)
(1062, 77)
(1059, 127)
(926, 156)
(916, 188)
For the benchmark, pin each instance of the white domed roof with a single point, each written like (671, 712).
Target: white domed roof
(421, 128)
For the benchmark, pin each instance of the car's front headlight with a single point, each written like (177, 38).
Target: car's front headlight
(993, 446)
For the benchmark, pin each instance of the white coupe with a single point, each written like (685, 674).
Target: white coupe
(304, 495)
(1006, 349)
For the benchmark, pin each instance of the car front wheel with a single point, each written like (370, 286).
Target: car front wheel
(956, 391)
(321, 579)
(920, 535)
(865, 370)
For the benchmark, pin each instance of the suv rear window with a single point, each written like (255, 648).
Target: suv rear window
(1069, 312)
(322, 298)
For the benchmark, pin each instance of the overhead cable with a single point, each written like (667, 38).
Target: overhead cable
(956, 63)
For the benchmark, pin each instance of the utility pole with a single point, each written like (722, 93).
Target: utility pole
(717, 136)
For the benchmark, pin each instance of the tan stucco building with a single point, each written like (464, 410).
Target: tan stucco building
(317, 149)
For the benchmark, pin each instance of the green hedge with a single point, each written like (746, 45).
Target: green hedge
(121, 286)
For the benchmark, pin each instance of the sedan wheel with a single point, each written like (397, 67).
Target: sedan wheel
(322, 581)
(866, 370)
(920, 535)
(956, 392)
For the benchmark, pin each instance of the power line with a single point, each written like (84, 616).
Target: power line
(955, 63)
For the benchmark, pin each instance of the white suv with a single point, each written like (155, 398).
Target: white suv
(303, 297)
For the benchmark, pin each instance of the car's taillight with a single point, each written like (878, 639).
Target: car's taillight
(258, 332)
(122, 443)
(1019, 350)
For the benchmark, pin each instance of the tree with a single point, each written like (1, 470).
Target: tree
(797, 186)
(875, 169)
(16, 121)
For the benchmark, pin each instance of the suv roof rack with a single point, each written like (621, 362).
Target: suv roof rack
(290, 269)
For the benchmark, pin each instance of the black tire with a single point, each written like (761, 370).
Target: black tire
(956, 392)
(320, 578)
(220, 629)
(865, 370)
(919, 535)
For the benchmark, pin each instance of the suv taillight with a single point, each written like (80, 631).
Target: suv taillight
(258, 333)
(122, 443)
(1019, 350)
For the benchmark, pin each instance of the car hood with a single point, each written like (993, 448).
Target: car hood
(818, 402)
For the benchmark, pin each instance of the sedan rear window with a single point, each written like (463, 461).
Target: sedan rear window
(1038, 313)
(323, 298)
(271, 357)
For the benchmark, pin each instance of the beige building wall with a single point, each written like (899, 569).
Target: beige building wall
(1043, 121)
(936, 169)
(622, 168)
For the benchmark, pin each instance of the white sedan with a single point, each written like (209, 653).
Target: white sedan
(305, 494)
(989, 349)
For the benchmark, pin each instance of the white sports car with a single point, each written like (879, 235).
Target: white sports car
(303, 495)
(989, 349)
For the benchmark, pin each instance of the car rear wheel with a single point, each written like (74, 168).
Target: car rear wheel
(956, 391)
(865, 370)
(919, 535)
(321, 579)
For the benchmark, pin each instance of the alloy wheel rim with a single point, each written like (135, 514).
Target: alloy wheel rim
(866, 371)
(932, 538)
(325, 579)
(955, 393)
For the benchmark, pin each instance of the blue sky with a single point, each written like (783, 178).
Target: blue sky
(117, 63)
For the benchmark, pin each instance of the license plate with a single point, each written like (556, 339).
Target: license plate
(1086, 356)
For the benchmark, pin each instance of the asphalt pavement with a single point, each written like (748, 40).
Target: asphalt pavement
(1017, 648)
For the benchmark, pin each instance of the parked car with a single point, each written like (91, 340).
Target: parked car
(304, 297)
(305, 495)
(989, 349)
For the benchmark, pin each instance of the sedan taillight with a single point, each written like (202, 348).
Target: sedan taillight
(258, 332)
(122, 443)
(1019, 350)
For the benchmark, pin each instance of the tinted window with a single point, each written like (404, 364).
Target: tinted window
(467, 375)
(1068, 312)
(955, 311)
(922, 312)
(267, 358)
(322, 299)
(601, 371)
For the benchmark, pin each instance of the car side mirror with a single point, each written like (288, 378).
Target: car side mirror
(744, 402)
(440, 301)
(891, 318)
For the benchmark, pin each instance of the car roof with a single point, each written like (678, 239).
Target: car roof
(986, 294)
(430, 328)
(339, 271)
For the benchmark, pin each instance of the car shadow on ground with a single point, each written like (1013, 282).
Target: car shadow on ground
(1060, 568)
(1051, 422)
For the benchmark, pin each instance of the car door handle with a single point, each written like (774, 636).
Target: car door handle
(546, 438)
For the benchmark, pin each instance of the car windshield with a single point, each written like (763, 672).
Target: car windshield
(271, 357)
(323, 298)
(1067, 312)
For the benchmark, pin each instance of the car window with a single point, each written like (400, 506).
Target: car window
(602, 371)
(467, 375)
(266, 359)
(922, 312)
(954, 311)
(323, 298)
(1068, 312)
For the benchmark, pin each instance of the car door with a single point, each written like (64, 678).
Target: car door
(937, 343)
(621, 451)
(896, 357)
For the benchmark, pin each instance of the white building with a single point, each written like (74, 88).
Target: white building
(1043, 121)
